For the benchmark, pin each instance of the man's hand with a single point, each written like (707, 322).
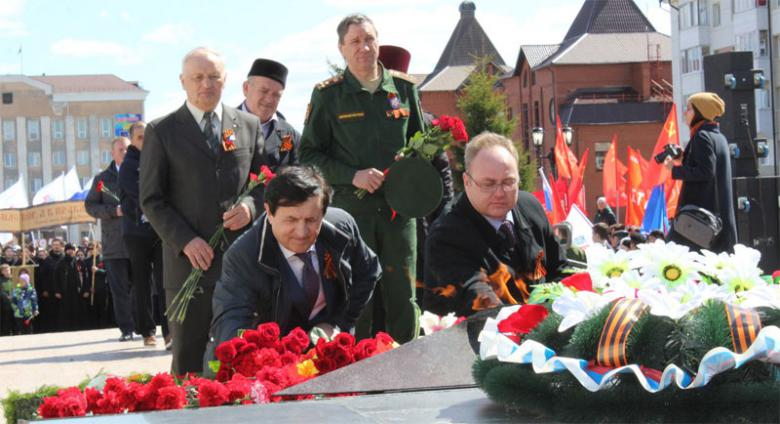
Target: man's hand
(118, 210)
(199, 253)
(322, 330)
(368, 179)
(669, 163)
(237, 218)
(58, 295)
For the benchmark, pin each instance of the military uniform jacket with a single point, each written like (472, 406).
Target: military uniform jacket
(348, 129)
(470, 267)
(282, 145)
(254, 287)
(185, 186)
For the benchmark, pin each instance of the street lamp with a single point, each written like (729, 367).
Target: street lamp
(537, 136)
(568, 132)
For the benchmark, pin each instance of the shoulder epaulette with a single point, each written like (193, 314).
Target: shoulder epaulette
(402, 75)
(338, 79)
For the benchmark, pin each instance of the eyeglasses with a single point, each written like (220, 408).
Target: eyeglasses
(507, 185)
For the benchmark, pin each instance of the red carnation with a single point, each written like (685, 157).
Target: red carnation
(100, 186)
(226, 352)
(344, 339)
(365, 348)
(296, 341)
(72, 403)
(445, 123)
(325, 365)
(50, 408)
(239, 388)
(289, 358)
(245, 365)
(161, 380)
(267, 358)
(223, 375)
(384, 338)
(269, 334)
(523, 321)
(343, 356)
(267, 174)
(274, 375)
(249, 336)
(212, 393)
(247, 349)
(580, 282)
(458, 132)
(171, 397)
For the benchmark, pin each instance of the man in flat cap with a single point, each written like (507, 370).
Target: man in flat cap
(263, 89)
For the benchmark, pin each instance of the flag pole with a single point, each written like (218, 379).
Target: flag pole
(94, 264)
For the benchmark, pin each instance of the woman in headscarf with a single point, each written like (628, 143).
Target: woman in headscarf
(705, 170)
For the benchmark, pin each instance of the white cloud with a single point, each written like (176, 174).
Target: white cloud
(170, 34)
(11, 23)
(80, 49)
(9, 68)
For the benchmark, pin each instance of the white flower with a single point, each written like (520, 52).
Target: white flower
(604, 264)
(766, 295)
(431, 323)
(671, 263)
(741, 277)
(678, 301)
(719, 265)
(576, 307)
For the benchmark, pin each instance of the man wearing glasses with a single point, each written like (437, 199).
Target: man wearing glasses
(495, 242)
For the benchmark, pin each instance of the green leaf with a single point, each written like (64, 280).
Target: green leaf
(429, 151)
(240, 332)
(214, 366)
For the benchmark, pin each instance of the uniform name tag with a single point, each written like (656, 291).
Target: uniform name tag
(351, 116)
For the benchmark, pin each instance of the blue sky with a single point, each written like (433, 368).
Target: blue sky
(145, 40)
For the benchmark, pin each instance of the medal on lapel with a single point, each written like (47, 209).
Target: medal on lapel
(395, 103)
(228, 140)
(287, 144)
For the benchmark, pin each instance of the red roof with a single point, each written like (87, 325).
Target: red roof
(87, 83)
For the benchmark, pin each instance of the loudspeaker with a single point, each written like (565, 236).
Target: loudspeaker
(730, 75)
(758, 223)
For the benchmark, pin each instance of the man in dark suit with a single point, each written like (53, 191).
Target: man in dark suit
(494, 243)
(196, 162)
(302, 264)
(263, 90)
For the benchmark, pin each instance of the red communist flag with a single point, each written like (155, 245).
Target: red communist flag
(656, 173)
(565, 160)
(613, 177)
(576, 191)
(637, 198)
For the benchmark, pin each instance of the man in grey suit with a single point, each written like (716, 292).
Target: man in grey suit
(263, 90)
(196, 162)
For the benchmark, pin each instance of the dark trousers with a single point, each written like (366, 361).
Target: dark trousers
(191, 336)
(147, 270)
(22, 328)
(118, 276)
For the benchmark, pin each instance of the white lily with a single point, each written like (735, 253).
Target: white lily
(576, 307)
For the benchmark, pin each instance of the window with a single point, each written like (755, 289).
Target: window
(702, 12)
(9, 159)
(58, 158)
(601, 153)
(37, 183)
(106, 155)
(8, 98)
(82, 157)
(743, 5)
(537, 120)
(762, 99)
(716, 14)
(687, 15)
(763, 41)
(105, 127)
(34, 158)
(525, 79)
(33, 130)
(58, 129)
(81, 128)
(9, 130)
(691, 59)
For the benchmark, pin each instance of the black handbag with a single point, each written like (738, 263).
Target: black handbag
(698, 225)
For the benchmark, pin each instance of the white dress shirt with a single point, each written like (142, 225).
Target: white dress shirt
(496, 223)
(296, 264)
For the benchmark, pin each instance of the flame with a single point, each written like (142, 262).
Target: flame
(447, 291)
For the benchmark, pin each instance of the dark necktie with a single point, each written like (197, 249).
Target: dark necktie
(208, 130)
(268, 129)
(507, 232)
(310, 280)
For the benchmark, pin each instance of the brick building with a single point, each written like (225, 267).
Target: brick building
(611, 74)
(53, 123)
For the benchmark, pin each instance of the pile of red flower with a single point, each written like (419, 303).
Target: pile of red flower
(282, 362)
(454, 125)
(161, 392)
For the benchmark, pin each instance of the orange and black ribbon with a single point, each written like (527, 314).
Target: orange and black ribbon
(612, 344)
(745, 324)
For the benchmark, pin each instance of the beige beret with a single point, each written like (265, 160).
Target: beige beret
(710, 105)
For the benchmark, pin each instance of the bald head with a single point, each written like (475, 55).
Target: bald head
(203, 78)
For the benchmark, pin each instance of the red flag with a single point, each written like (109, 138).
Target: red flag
(657, 173)
(576, 191)
(559, 200)
(565, 160)
(672, 196)
(613, 180)
(637, 197)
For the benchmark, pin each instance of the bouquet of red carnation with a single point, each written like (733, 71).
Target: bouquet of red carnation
(101, 188)
(178, 307)
(444, 134)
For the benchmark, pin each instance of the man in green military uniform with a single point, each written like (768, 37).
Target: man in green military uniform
(355, 124)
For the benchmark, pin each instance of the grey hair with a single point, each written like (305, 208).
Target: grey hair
(136, 125)
(353, 19)
(601, 199)
(119, 140)
(484, 141)
(201, 51)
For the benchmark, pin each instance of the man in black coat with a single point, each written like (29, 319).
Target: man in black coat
(49, 296)
(705, 170)
(196, 163)
(301, 265)
(494, 243)
(143, 246)
(263, 90)
(604, 212)
(107, 208)
(68, 277)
